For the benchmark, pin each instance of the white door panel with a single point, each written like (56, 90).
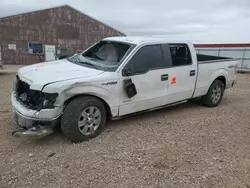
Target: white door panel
(184, 69)
(151, 92)
(147, 67)
(184, 85)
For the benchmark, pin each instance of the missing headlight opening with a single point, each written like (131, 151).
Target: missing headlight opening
(35, 100)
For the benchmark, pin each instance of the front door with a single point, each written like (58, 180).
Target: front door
(148, 72)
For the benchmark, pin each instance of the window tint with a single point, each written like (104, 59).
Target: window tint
(180, 54)
(147, 58)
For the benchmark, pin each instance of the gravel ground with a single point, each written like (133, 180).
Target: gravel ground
(184, 146)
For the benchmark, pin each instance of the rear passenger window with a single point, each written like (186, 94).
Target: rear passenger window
(180, 55)
(147, 58)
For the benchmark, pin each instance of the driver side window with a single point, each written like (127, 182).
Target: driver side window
(147, 58)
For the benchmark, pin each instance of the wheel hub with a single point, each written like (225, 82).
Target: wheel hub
(89, 120)
(216, 94)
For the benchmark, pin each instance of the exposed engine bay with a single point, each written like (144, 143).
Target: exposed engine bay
(35, 100)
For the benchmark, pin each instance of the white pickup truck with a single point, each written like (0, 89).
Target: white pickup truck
(116, 77)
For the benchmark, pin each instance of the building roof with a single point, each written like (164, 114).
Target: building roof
(142, 40)
(239, 45)
(61, 7)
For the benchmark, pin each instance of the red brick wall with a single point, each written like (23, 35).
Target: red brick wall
(62, 27)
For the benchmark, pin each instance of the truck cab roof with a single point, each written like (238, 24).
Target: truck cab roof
(143, 40)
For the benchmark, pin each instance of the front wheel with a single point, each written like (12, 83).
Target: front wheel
(83, 118)
(214, 94)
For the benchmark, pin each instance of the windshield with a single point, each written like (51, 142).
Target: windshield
(105, 55)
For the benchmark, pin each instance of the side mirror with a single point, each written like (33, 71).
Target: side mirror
(130, 88)
(126, 71)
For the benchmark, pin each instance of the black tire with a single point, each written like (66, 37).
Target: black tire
(207, 99)
(71, 114)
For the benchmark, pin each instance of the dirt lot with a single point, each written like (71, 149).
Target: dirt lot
(184, 146)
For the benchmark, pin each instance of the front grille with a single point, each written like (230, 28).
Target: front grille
(21, 87)
(30, 98)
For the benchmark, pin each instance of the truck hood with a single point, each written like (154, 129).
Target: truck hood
(40, 74)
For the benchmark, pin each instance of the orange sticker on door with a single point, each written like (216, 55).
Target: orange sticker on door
(173, 80)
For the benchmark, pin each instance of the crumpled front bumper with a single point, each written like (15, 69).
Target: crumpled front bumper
(34, 132)
(32, 123)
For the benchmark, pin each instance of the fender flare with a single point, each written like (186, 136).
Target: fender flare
(111, 103)
(217, 74)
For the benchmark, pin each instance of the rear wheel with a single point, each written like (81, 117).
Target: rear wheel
(214, 95)
(83, 118)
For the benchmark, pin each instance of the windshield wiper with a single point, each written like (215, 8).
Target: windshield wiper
(87, 63)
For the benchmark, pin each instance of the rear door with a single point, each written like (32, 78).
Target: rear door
(149, 74)
(182, 73)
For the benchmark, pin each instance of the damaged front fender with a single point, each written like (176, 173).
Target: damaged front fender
(67, 91)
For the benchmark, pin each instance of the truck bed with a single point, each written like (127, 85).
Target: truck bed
(209, 68)
(201, 58)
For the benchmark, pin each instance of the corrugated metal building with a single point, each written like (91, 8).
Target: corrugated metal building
(26, 38)
(238, 51)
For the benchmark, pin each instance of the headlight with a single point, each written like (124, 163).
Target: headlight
(38, 100)
(49, 100)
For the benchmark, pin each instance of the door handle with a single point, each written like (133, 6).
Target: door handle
(192, 73)
(164, 77)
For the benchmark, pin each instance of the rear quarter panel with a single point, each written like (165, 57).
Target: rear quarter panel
(208, 72)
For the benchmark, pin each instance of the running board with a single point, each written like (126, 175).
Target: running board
(149, 110)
